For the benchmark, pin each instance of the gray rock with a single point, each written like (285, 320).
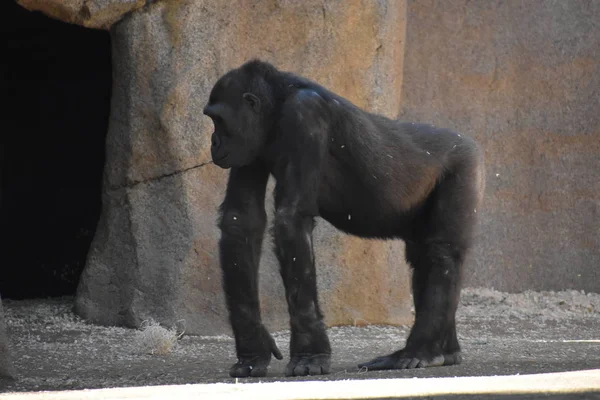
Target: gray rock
(100, 14)
(155, 251)
(6, 367)
(523, 78)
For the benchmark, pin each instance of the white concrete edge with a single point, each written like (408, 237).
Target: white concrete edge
(558, 382)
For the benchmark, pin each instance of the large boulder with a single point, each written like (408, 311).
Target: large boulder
(100, 14)
(523, 78)
(6, 367)
(155, 250)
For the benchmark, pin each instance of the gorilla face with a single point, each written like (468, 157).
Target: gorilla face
(239, 134)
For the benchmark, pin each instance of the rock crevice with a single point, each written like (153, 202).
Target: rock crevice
(135, 183)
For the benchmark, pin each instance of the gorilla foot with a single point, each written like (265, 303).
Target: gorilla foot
(250, 366)
(308, 364)
(256, 364)
(408, 360)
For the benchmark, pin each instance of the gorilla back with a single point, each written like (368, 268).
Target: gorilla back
(366, 174)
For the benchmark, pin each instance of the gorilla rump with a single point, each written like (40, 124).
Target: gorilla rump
(368, 176)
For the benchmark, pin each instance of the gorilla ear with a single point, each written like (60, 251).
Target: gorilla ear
(252, 100)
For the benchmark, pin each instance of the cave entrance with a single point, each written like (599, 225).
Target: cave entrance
(55, 84)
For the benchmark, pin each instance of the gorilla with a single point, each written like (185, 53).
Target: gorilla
(368, 176)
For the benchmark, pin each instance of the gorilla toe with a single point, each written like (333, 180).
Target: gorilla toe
(303, 365)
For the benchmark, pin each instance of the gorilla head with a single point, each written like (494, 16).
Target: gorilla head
(239, 117)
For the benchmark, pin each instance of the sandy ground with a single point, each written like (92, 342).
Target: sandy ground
(501, 334)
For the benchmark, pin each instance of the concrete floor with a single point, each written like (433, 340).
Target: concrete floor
(501, 336)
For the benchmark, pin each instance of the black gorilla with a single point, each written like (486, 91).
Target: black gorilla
(367, 175)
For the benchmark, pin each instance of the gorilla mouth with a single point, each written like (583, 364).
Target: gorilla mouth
(219, 161)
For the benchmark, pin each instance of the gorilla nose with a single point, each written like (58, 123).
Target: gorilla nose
(215, 141)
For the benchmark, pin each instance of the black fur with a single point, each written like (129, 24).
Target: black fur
(366, 174)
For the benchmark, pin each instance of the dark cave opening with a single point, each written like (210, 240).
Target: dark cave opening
(55, 82)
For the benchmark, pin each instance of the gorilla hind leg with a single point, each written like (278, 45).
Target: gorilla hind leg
(436, 290)
(436, 256)
(436, 286)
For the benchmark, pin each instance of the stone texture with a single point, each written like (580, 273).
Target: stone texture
(99, 14)
(6, 367)
(155, 250)
(522, 78)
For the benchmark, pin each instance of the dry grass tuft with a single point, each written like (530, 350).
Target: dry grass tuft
(155, 339)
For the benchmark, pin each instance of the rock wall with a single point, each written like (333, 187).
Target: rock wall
(155, 250)
(523, 78)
